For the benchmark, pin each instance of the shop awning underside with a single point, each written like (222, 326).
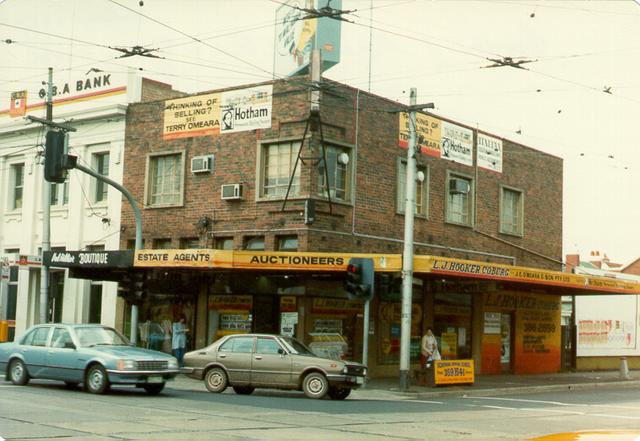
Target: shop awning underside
(555, 282)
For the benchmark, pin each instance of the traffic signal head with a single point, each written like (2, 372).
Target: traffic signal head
(54, 162)
(132, 288)
(360, 277)
(139, 287)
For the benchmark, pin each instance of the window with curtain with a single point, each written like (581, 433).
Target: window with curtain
(165, 180)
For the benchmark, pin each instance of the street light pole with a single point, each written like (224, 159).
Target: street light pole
(46, 217)
(407, 255)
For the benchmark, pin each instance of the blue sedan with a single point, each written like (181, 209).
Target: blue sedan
(95, 355)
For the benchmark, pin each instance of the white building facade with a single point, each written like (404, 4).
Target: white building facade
(85, 213)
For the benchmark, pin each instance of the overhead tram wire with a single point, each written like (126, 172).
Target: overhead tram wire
(235, 57)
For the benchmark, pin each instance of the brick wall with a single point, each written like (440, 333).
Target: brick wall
(377, 226)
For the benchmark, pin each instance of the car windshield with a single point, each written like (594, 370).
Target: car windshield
(94, 336)
(296, 347)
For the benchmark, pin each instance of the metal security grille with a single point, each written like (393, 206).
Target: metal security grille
(152, 365)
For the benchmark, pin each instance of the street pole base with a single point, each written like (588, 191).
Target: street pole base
(404, 380)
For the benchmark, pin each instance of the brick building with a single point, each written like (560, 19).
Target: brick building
(219, 185)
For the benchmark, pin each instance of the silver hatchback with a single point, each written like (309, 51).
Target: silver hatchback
(249, 361)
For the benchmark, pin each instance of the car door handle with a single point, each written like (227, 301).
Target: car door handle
(202, 353)
(258, 357)
(222, 356)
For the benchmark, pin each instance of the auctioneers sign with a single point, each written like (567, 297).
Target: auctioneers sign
(218, 113)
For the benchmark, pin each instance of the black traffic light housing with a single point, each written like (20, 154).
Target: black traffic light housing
(132, 287)
(359, 281)
(54, 161)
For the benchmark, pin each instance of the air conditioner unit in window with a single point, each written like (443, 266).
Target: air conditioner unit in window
(202, 164)
(459, 186)
(231, 191)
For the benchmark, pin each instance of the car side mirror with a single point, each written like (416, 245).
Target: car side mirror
(69, 345)
(281, 351)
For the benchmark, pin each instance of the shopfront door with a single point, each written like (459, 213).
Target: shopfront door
(506, 332)
(265, 314)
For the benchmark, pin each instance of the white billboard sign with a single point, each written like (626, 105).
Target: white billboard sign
(456, 143)
(489, 153)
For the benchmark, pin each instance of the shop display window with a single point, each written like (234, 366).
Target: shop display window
(389, 325)
(452, 324)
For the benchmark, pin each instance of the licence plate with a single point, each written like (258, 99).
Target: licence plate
(154, 379)
(360, 380)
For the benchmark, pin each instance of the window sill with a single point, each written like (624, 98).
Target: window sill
(512, 234)
(155, 207)
(13, 216)
(457, 224)
(416, 216)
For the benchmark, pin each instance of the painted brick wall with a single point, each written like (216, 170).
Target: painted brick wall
(375, 225)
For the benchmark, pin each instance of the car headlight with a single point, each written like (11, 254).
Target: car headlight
(345, 369)
(364, 372)
(173, 363)
(127, 365)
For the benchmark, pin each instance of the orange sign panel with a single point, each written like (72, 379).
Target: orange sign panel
(454, 371)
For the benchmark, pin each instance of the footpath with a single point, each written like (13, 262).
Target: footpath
(484, 385)
(493, 385)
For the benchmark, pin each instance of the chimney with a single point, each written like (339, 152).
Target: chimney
(571, 261)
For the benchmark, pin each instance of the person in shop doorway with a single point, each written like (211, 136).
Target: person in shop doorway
(428, 349)
(179, 338)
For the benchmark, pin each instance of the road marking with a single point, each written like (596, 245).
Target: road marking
(425, 401)
(522, 400)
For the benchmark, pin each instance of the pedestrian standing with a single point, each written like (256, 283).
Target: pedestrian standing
(179, 338)
(428, 349)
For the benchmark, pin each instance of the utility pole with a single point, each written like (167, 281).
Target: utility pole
(46, 215)
(407, 254)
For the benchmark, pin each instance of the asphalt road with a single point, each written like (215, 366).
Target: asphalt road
(186, 411)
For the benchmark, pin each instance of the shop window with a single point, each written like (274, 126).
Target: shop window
(100, 162)
(12, 300)
(95, 293)
(223, 243)
(255, 243)
(389, 325)
(452, 321)
(162, 244)
(165, 180)
(287, 243)
(278, 161)
(190, 243)
(60, 194)
(421, 189)
(17, 186)
(338, 171)
(459, 207)
(511, 211)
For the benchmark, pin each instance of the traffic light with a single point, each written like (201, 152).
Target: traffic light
(139, 287)
(54, 161)
(125, 286)
(132, 287)
(359, 281)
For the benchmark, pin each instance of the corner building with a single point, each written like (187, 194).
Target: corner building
(242, 233)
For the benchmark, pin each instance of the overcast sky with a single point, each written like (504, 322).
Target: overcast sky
(579, 98)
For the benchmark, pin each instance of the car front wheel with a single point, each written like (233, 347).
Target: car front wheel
(18, 373)
(215, 380)
(339, 393)
(97, 381)
(315, 385)
(153, 389)
(243, 390)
